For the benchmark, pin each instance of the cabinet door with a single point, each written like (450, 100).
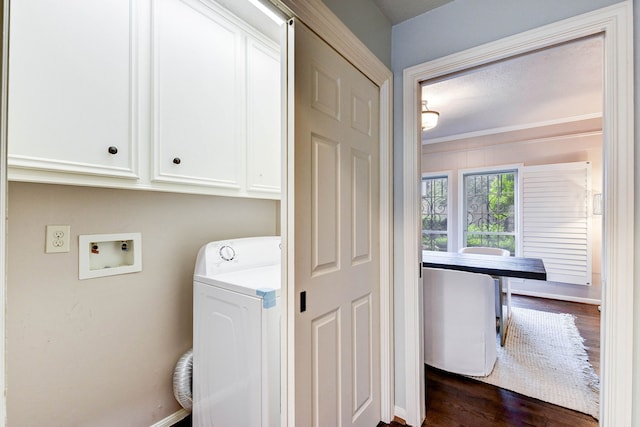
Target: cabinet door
(72, 86)
(263, 118)
(197, 95)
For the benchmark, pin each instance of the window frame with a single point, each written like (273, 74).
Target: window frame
(517, 200)
(449, 211)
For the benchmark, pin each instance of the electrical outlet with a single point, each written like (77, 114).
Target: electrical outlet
(57, 239)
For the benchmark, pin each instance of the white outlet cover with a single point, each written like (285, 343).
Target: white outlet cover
(57, 238)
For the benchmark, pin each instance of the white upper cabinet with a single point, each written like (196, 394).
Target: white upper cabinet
(263, 118)
(173, 95)
(72, 87)
(197, 95)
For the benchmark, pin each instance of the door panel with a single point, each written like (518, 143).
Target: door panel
(362, 355)
(325, 204)
(361, 218)
(326, 92)
(326, 368)
(335, 236)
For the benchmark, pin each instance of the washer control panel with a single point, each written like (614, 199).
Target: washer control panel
(227, 253)
(225, 256)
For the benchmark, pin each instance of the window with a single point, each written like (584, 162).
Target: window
(435, 213)
(489, 203)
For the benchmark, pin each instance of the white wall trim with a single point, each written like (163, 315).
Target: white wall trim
(514, 128)
(330, 28)
(617, 328)
(3, 206)
(452, 147)
(387, 378)
(548, 295)
(400, 412)
(172, 419)
(411, 274)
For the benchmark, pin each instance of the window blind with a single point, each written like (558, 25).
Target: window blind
(556, 223)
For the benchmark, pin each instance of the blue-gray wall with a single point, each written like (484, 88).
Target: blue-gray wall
(461, 25)
(368, 23)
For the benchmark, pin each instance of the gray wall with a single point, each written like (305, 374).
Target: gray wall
(368, 23)
(101, 352)
(457, 26)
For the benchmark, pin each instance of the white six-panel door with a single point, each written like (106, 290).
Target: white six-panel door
(335, 237)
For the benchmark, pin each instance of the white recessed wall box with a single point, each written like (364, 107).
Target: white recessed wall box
(109, 254)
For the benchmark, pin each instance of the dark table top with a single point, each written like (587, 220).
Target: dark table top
(524, 268)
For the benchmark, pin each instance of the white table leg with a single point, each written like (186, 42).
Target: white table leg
(508, 300)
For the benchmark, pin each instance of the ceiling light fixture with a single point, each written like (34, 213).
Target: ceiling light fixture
(429, 117)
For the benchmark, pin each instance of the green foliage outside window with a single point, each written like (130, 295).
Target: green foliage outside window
(491, 210)
(435, 214)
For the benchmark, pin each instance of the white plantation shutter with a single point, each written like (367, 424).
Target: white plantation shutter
(556, 221)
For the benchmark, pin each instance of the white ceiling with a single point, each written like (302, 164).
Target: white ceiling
(561, 84)
(401, 10)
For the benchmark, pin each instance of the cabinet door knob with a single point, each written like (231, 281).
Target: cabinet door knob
(176, 160)
(113, 150)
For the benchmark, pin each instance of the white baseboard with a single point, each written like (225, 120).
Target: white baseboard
(399, 412)
(592, 301)
(172, 419)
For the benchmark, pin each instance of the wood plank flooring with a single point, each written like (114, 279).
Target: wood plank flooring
(454, 400)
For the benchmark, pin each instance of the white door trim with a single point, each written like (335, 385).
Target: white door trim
(323, 22)
(616, 22)
(4, 10)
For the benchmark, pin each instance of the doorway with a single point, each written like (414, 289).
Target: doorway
(618, 150)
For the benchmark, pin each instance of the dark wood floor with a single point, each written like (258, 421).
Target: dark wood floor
(457, 401)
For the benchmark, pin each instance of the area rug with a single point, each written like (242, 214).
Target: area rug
(544, 357)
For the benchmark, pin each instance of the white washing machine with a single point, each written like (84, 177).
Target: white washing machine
(236, 333)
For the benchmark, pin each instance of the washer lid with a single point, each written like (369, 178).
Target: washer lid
(252, 281)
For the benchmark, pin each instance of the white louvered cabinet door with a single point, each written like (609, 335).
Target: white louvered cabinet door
(557, 221)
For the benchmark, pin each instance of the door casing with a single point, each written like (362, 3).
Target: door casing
(4, 79)
(616, 22)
